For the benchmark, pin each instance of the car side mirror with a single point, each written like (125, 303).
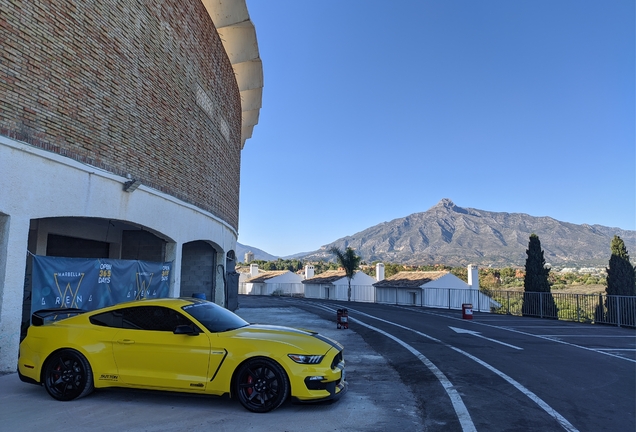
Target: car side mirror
(185, 330)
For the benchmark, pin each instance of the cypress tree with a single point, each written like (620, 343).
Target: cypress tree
(620, 273)
(537, 299)
(621, 281)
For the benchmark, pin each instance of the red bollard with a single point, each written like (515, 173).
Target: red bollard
(467, 311)
(342, 318)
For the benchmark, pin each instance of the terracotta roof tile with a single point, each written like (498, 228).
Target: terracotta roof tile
(410, 279)
(327, 277)
(262, 277)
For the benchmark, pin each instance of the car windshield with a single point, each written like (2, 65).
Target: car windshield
(213, 317)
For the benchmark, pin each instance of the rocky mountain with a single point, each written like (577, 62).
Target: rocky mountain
(452, 235)
(241, 250)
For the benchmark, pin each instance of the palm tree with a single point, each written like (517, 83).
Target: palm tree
(349, 261)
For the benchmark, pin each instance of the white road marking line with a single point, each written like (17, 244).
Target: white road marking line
(592, 336)
(536, 399)
(458, 404)
(540, 327)
(616, 349)
(507, 328)
(474, 333)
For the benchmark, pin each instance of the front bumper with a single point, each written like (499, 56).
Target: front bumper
(332, 386)
(336, 391)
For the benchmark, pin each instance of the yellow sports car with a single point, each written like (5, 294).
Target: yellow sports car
(186, 344)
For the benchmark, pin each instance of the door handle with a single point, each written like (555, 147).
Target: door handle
(126, 341)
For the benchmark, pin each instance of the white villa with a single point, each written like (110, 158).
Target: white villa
(259, 282)
(333, 285)
(437, 289)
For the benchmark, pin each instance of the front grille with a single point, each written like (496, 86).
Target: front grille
(320, 385)
(336, 360)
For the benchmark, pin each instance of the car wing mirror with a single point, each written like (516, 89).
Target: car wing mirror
(185, 330)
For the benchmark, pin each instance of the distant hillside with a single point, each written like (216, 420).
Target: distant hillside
(452, 235)
(241, 250)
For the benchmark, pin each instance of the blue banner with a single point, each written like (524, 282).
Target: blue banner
(94, 283)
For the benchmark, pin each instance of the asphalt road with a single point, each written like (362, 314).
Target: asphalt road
(409, 369)
(503, 373)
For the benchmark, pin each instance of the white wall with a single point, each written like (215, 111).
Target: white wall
(362, 289)
(447, 281)
(287, 283)
(359, 278)
(287, 277)
(55, 186)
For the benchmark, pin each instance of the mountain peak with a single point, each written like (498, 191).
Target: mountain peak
(449, 205)
(452, 235)
(445, 202)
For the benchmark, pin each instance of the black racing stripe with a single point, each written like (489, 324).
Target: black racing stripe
(280, 328)
(327, 340)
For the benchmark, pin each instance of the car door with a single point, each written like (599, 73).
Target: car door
(149, 354)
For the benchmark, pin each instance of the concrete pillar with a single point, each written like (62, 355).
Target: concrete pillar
(219, 279)
(14, 237)
(173, 253)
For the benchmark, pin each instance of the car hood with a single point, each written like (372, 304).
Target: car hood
(305, 341)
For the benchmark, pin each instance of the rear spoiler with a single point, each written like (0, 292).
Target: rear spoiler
(38, 317)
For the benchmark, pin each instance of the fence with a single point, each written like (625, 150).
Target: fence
(359, 293)
(591, 308)
(288, 289)
(441, 298)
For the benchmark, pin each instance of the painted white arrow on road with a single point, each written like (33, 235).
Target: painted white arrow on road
(474, 333)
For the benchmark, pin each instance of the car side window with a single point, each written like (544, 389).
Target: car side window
(155, 318)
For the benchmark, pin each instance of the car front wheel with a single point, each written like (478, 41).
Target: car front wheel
(261, 385)
(68, 375)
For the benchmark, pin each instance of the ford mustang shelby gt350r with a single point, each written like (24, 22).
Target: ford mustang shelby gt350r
(188, 345)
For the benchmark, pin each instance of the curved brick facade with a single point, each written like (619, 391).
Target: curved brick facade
(135, 87)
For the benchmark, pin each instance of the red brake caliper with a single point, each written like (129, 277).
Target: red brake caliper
(249, 389)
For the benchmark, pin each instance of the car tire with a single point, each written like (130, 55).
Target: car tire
(68, 375)
(261, 385)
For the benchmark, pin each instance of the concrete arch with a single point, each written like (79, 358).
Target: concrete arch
(139, 144)
(69, 198)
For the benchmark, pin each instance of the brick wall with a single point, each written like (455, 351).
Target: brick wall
(114, 83)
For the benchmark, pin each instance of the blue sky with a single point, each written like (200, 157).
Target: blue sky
(374, 110)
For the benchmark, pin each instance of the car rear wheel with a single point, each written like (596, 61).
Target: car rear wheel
(68, 375)
(261, 385)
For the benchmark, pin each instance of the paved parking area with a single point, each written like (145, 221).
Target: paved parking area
(394, 371)
(376, 401)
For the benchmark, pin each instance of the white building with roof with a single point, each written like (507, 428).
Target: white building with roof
(259, 282)
(437, 289)
(334, 285)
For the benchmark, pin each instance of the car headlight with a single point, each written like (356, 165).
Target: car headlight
(306, 359)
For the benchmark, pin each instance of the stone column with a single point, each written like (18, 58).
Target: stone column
(14, 236)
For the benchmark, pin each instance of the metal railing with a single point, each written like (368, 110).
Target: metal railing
(359, 293)
(440, 298)
(590, 308)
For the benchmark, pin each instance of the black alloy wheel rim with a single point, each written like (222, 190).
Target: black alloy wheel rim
(65, 378)
(260, 387)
